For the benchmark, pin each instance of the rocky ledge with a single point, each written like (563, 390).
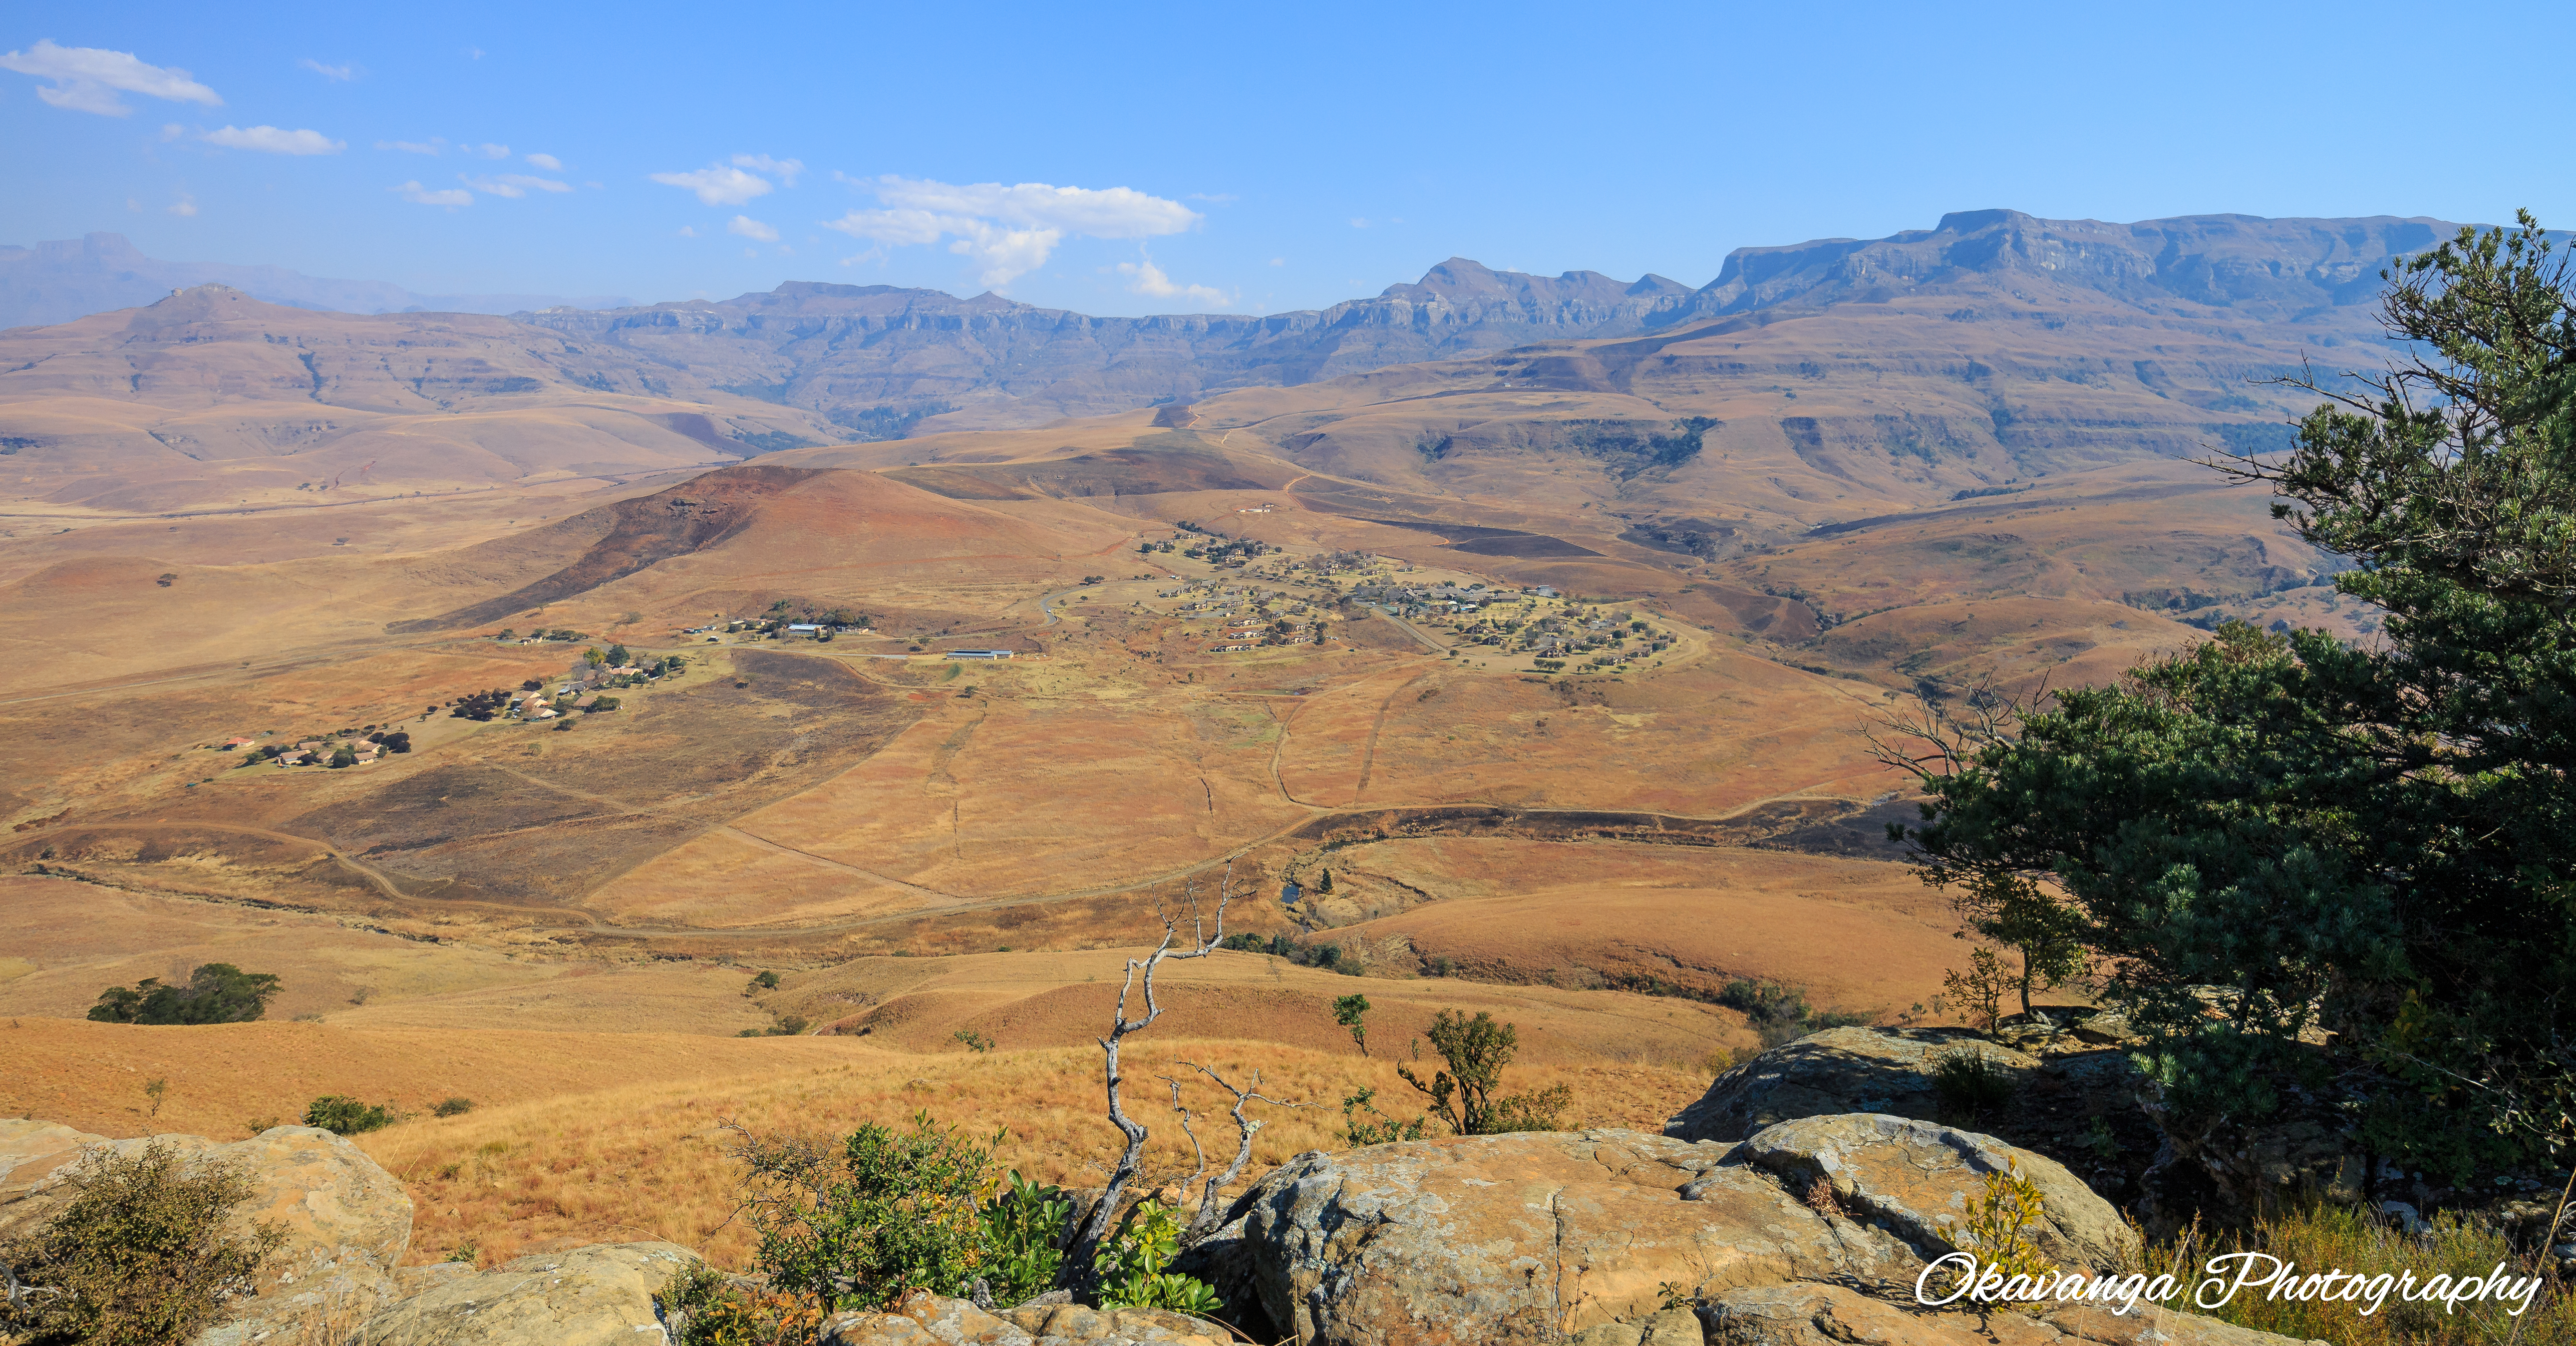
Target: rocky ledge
(1808, 1231)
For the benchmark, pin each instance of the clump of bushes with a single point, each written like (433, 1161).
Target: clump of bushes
(143, 1255)
(1325, 957)
(452, 1107)
(1780, 1013)
(216, 993)
(785, 1026)
(889, 1211)
(344, 1116)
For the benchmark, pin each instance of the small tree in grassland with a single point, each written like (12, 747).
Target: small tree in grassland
(1351, 1012)
(1463, 1095)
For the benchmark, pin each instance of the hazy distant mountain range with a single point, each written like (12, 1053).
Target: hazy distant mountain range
(879, 359)
(71, 278)
(883, 361)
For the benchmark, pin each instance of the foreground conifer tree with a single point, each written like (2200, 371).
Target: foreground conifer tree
(2376, 841)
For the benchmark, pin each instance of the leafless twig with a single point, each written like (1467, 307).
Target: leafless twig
(1078, 1257)
(1204, 1221)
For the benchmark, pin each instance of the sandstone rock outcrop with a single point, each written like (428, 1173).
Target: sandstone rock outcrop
(590, 1296)
(1828, 1315)
(1886, 1070)
(935, 1320)
(1808, 1232)
(347, 1221)
(1908, 1176)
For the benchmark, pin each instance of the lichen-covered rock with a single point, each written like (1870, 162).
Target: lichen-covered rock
(1840, 1070)
(935, 1320)
(1528, 1237)
(591, 1296)
(1672, 1327)
(1915, 1179)
(1828, 1315)
(30, 1153)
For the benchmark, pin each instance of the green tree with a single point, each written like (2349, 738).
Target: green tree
(216, 993)
(1351, 1012)
(2013, 910)
(342, 1115)
(1325, 883)
(2377, 841)
(617, 656)
(1476, 1051)
(593, 657)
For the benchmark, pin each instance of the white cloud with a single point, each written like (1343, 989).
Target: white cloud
(334, 73)
(1145, 278)
(451, 197)
(271, 140)
(1009, 231)
(88, 79)
(184, 207)
(751, 228)
(513, 185)
(489, 150)
(547, 162)
(433, 145)
(171, 131)
(718, 186)
(786, 169)
(1359, 224)
(1279, 261)
(687, 232)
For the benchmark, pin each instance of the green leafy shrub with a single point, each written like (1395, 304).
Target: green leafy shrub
(1477, 1050)
(1130, 1266)
(216, 993)
(143, 1255)
(1363, 1124)
(344, 1116)
(453, 1107)
(888, 1211)
(1970, 1083)
(1023, 1227)
(703, 1309)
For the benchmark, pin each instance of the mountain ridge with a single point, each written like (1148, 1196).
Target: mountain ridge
(61, 280)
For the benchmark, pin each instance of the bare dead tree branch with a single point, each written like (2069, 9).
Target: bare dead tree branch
(1203, 1222)
(1934, 741)
(1077, 1272)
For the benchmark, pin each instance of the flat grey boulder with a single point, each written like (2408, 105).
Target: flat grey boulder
(1885, 1070)
(590, 1296)
(1917, 1179)
(1527, 1238)
(1829, 1315)
(935, 1320)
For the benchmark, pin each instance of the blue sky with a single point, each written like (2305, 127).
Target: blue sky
(1146, 159)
